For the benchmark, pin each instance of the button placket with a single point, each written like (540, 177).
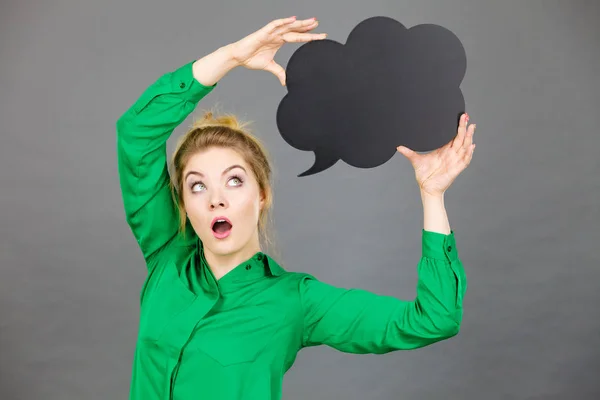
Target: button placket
(450, 248)
(188, 322)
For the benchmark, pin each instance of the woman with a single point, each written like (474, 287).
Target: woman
(219, 318)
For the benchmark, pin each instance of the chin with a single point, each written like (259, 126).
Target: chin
(223, 250)
(222, 247)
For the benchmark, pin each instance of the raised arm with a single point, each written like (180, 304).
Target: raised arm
(143, 130)
(358, 321)
(142, 133)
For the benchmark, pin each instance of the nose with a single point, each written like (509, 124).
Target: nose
(217, 200)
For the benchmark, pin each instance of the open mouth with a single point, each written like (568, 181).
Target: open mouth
(221, 227)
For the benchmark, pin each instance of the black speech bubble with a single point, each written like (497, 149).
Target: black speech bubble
(387, 86)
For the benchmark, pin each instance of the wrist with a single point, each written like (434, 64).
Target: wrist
(434, 213)
(428, 196)
(229, 56)
(211, 68)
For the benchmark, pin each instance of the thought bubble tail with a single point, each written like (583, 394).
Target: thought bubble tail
(322, 162)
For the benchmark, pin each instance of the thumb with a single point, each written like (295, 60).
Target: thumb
(406, 152)
(276, 70)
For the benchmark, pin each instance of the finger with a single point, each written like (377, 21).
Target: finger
(459, 154)
(461, 132)
(296, 26)
(469, 155)
(276, 70)
(276, 24)
(466, 158)
(469, 136)
(309, 27)
(294, 37)
(406, 152)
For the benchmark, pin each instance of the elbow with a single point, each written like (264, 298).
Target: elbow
(437, 323)
(449, 326)
(449, 329)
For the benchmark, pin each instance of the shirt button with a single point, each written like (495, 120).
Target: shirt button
(182, 85)
(248, 267)
(449, 248)
(259, 257)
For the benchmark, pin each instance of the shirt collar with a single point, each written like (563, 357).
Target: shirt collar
(255, 268)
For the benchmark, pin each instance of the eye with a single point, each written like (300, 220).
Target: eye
(235, 181)
(197, 186)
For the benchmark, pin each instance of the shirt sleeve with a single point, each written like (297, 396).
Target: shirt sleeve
(142, 134)
(358, 321)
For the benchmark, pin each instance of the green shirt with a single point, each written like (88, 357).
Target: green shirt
(235, 338)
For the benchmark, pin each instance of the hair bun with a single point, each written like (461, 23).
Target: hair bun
(225, 120)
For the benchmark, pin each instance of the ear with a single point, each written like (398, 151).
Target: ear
(262, 199)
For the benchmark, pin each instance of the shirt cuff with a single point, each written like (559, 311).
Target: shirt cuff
(183, 82)
(438, 246)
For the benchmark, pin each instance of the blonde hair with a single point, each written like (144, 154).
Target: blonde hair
(224, 131)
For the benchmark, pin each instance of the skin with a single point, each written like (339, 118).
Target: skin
(434, 171)
(219, 183)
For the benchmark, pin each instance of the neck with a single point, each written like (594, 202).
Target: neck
(221, 264)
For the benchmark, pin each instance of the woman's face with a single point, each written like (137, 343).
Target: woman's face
(223, 202)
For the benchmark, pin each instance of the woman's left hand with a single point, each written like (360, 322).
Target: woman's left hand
(436, 170)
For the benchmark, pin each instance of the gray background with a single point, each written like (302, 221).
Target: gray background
(525, 212)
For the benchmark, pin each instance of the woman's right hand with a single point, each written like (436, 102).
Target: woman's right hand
(257, 50)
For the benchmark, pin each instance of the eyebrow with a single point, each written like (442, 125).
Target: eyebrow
(223, 173)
